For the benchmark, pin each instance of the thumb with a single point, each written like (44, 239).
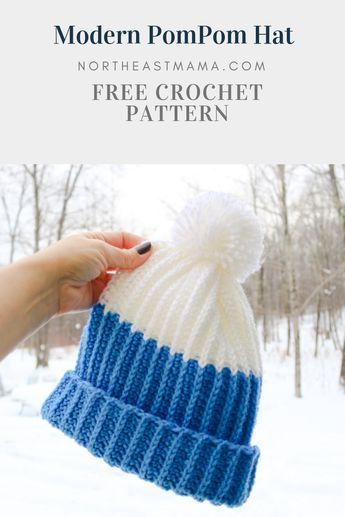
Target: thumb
(128, 258)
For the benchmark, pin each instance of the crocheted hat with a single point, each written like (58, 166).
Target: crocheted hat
(168, 377)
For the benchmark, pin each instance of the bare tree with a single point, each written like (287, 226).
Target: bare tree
(339, 203)
(291, 275)
(303, 207)
(49, 191)
(70, 183)
(36, 175)
(260, 295)
(13, 208)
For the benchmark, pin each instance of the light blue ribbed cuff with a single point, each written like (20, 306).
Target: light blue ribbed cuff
(173, 457)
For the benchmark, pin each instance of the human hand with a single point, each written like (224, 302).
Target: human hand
(68, 276)
(81, 265)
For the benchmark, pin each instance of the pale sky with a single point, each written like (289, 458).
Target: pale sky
(147, 191)
(148, 194)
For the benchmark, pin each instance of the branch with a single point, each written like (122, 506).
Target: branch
(319, 287)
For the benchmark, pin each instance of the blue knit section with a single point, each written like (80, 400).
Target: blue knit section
(137, 371)
(171, 421)
(159, 451)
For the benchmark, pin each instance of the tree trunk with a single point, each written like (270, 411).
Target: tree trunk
(342, 369)
(2, 389)
(291, 279)
(288, 335)
(263, 307)
(317, 327)
(333, 330)
(297, 341)
(298, 363)
(340, 208)
(41, 347)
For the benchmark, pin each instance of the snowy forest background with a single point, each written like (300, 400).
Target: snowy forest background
(298, 298)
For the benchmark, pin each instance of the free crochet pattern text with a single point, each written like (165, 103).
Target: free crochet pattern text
(177, 102)
(155, 34)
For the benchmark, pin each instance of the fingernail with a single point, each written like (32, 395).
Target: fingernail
(143, 248)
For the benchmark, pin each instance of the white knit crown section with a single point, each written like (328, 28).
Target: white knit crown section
(192, 307)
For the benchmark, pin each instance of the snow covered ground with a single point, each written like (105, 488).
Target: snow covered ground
(301, 471)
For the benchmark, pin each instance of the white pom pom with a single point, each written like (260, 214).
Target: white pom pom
(219, 228)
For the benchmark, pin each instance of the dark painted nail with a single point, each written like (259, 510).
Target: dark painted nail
(143, 248)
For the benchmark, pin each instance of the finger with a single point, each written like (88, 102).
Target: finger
(121, 240)
(99, 284)
(127, 258)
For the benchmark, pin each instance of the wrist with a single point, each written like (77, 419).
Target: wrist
(42, 279)
(29, 299)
